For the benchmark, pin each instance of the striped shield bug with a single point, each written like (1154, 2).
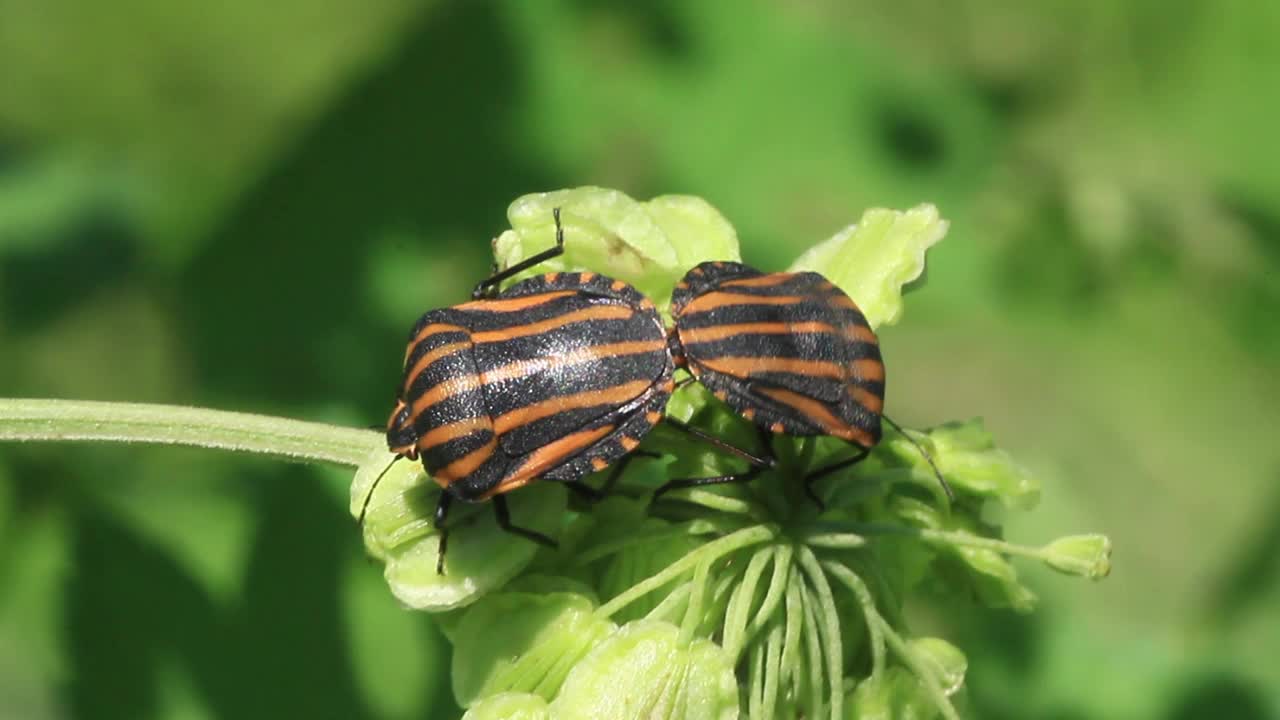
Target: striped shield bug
(554, 378)
(790, 352)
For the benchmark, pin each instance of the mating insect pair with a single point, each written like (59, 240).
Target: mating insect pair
(561, 375)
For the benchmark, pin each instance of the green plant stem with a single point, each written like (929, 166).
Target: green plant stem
(813, 648)
(697, 600)
(738, 612)
(26, 420)
(829, 631)
(870, 614)
(946, 537)
(777, 588)
(711, 551)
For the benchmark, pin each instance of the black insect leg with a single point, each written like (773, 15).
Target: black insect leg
(946, 486)
(585, 491)
(489, 286)
(442, 511)
(503, 515)
(621, 467)
(822, 472)
(766, 442)
(364, 509)
(758, 464)
(713, 480)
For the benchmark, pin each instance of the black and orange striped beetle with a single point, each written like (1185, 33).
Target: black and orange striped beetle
(553, 378)
(790, 352)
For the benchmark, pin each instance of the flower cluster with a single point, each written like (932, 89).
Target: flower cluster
(718, 602)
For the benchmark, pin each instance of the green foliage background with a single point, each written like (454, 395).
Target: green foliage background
(245, 205)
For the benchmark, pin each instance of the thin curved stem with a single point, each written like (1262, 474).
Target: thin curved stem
(30, 420)
(711, 551)
(870, 613)
(949, 537)
(829, 631)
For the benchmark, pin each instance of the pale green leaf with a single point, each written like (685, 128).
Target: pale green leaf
(648, 244)
(399, 529)
(643, 672)
(874, 259)
(510, 706)
(542, 636)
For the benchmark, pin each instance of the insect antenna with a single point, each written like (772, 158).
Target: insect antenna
(946, 487)
(369, 496)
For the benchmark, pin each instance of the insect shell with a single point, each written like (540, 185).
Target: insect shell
(555, 378)
(790, 352)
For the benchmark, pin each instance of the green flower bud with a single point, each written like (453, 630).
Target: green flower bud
(1085, 555)
(522, 642)
(644, 671)
(875, 258)
(895, 695)
(510, 706)
(948, 663)
(650, 245)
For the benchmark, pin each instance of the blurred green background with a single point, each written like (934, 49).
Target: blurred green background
(244, 205)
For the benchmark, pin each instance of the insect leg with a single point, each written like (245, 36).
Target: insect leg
(503, 516)
(442, 511)
(616, 473)
(946, 486)
(369, 496)
(713, 480)
(585, 491)
(822, 472)
(756, 462)
(489, 286)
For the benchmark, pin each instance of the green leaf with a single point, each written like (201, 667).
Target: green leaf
(874, 259)
(697, 231)
(532, 582)
(650, 245)
(993, 577)
(379, 493)
(642, 672)
(917, 513)
(904, 562)
(510, 706)
(399, 530)
(688, 401)
(542, 636)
